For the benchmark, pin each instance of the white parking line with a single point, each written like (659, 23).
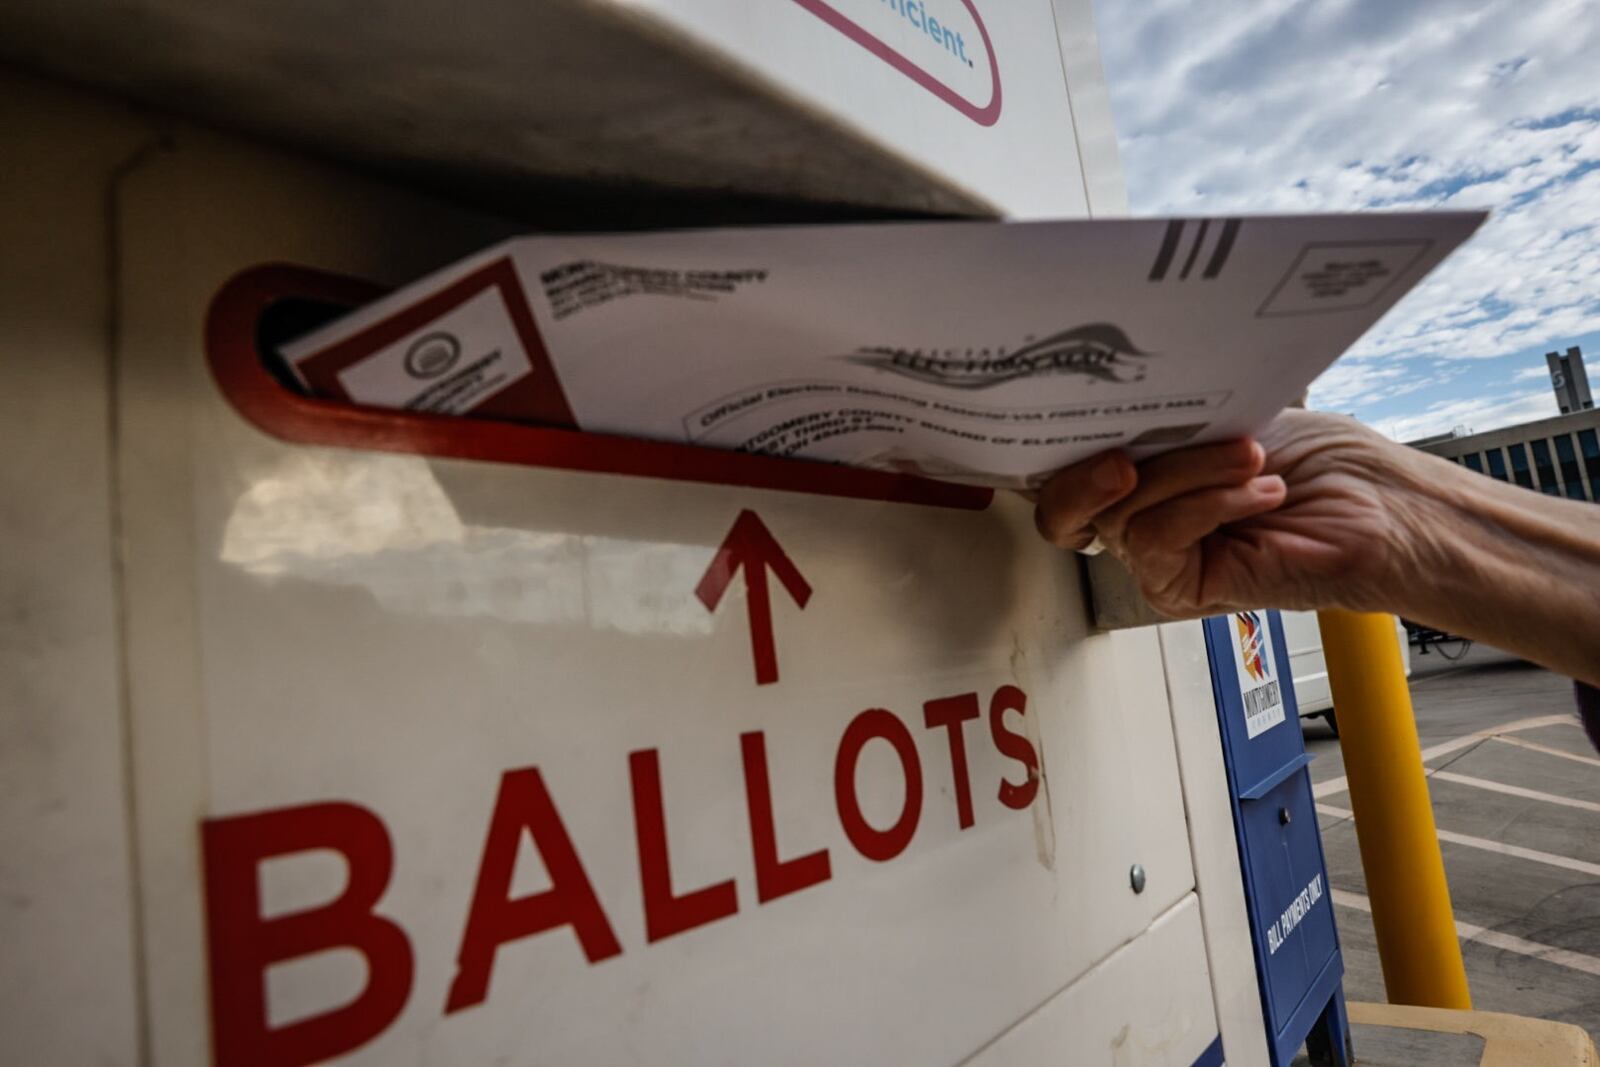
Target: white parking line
(1561, 957)
(1549, 859)
(1548, 750)
(1514, 790)
(1444, 748)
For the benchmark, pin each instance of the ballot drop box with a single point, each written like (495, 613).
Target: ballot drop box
(1280, 848)
(341, 735)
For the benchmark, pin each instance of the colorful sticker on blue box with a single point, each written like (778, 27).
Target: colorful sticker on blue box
(1258, 672)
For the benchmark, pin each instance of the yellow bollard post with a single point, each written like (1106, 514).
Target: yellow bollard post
(1411, 914)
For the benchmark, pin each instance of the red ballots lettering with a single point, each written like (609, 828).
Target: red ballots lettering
(243, 943)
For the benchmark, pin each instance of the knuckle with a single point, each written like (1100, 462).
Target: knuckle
(1141, 534)
(1171, 599)
(1133, 539)
(1058, 527)
(1111, 523)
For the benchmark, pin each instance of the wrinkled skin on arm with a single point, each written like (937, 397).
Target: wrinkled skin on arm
(1319, 512)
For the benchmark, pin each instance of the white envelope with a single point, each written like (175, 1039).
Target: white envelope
(983, 352)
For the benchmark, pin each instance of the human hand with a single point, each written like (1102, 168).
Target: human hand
(1312, 514)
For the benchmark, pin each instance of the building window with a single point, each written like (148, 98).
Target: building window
(1519, 466)
(1589, 444)
(1545, 469)
(1497, 463)
(1570, 473)
(1472, 460)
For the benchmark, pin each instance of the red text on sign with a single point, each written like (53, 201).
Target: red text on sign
(243, 943)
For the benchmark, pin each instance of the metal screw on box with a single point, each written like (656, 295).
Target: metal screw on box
(1136, 878)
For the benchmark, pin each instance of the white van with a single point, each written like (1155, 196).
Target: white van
(1310, 669)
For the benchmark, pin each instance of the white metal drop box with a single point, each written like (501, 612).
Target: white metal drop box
(331, 734)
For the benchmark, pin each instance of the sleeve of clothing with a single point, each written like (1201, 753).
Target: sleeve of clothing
(1589, 712)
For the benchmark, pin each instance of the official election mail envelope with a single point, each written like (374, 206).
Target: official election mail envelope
(980, 352)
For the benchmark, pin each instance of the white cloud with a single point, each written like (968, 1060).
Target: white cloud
(1340, 105)
(1529, 374)
(1351, 384)
(1475, 416)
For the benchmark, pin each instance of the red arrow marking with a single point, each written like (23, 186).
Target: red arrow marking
(751, 545)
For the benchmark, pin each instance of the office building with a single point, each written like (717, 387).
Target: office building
(1558, 456)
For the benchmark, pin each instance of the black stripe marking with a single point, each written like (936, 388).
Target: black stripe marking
(1169, 248)
(1194, 252)
(1219, 256)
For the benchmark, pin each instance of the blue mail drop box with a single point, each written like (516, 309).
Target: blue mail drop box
(1285, 878)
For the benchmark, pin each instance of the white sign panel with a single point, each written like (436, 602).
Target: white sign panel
(972, 90)
(594, 767)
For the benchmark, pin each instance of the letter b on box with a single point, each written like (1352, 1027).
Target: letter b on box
(242, 944)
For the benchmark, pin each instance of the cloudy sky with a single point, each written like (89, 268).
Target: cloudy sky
(1227, 106)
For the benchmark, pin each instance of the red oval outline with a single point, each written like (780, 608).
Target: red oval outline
(252, 391)
(987, 115)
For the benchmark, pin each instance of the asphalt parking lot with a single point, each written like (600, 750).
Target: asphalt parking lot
(1516, 796)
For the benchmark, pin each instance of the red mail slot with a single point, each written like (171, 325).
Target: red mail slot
(240, 323)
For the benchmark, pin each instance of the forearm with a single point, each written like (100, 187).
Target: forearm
(1502, 564)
